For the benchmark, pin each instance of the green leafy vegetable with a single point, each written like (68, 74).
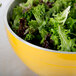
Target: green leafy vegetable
(46, 23)
(28, 4)
(45, 1)
(60, 19)
(29, 37)
(39, 13)
(33, 26)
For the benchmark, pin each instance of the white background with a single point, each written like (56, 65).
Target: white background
(10, 64)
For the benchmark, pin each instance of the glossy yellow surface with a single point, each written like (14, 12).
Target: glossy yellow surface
(42, 62)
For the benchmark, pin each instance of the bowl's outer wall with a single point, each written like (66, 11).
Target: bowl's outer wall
(43, 62)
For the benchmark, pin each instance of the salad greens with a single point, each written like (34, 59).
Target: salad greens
(46, 23)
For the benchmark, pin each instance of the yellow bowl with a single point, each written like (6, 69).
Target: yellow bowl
(42, 61)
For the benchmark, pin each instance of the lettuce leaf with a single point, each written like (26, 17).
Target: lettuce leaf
(28, 4)
(59, 30)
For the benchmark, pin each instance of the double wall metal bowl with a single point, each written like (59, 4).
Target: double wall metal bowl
(45, 62)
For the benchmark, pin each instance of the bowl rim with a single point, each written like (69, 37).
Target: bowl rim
(5, 10)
